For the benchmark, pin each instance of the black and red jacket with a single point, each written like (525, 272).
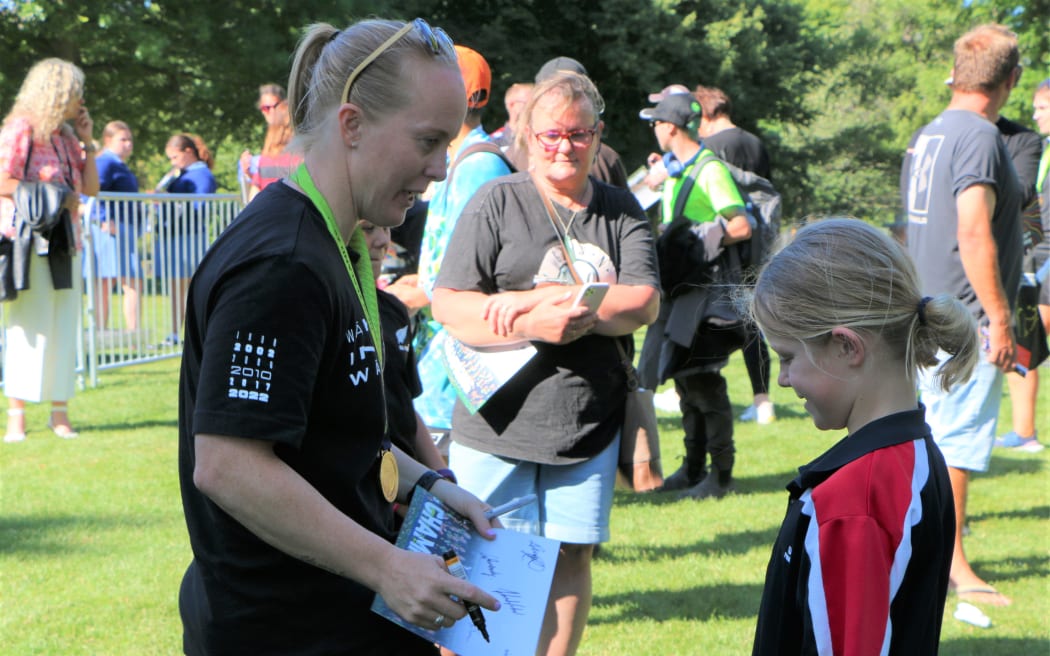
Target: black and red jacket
(861, 562)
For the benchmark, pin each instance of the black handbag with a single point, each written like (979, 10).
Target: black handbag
(1029, 333)
(44, 226)
(41, 208)
(7, 270)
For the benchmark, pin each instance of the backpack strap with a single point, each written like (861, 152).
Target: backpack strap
(690, 181)
(479, 147)
(29, 155)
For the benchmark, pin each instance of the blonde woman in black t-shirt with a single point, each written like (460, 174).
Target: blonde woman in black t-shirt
(287, 481)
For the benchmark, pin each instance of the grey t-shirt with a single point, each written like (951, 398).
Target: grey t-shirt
(566, 404)
(957, 150)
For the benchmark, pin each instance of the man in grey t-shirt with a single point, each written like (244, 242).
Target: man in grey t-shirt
(962, 200)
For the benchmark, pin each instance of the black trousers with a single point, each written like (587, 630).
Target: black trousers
(707, 418)
(756, 359)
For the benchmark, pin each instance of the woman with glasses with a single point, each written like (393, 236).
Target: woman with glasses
(287, 484)
(271, 96)
(275, 161)
(513, 266)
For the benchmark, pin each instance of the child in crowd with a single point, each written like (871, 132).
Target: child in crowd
(861, 562)
(401, 384)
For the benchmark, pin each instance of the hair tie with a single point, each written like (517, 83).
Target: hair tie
(335, 35)
(922, 309)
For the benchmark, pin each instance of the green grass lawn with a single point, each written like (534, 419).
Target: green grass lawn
(93, 546)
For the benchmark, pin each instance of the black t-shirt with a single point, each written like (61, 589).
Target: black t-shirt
(741, 149)
(278, 349)
(608, 167)
(1025, 148)
(400, 377)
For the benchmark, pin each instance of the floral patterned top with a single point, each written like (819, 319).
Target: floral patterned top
(58, 159)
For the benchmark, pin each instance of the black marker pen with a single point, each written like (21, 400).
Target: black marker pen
(455, 568)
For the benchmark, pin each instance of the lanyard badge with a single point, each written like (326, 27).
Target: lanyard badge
(364, 286)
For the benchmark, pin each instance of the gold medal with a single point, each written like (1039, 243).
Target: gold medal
(388, 474)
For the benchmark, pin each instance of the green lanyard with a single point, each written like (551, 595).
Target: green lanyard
(367, 295)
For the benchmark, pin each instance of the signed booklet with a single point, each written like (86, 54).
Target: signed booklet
(477, 374)
(515, 568)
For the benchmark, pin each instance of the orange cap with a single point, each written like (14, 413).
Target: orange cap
(477, 76)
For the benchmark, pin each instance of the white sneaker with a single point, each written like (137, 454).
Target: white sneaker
(667, 400)
(764, 413)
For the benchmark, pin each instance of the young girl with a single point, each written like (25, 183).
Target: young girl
(861, 562)
(401, 381)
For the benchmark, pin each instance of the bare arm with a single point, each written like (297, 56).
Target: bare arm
(84, 128)
(91, 183)
(426, 451)
(626, 308)
(543, 314)
(737, 227)
(248, 481)
(980, 260)
(408, 291)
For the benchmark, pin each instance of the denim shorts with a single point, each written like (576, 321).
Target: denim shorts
(964, 419)
(574, 501)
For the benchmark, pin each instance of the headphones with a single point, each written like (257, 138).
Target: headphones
(675, 169)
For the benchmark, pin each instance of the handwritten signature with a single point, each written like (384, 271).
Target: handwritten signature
(488, 566)
(532, 556)
(511, 599)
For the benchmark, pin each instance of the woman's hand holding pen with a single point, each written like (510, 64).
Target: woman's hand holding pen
(419, 588)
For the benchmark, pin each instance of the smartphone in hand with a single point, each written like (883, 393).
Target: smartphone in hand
(591, 295)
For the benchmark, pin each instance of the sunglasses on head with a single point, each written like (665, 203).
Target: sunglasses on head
(437, 39)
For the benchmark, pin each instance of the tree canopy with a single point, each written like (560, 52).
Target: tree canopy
(834, 87)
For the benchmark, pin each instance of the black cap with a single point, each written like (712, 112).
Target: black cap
(678, 108)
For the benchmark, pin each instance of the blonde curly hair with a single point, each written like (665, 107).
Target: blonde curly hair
(51, 87)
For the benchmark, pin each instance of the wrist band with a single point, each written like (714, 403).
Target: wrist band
(426, 481)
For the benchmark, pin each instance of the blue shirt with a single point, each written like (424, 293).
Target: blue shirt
(194, 179)
(114, 174)
(446, 205)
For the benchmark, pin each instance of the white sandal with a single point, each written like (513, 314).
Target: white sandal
(15, 437)
(66, 431)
